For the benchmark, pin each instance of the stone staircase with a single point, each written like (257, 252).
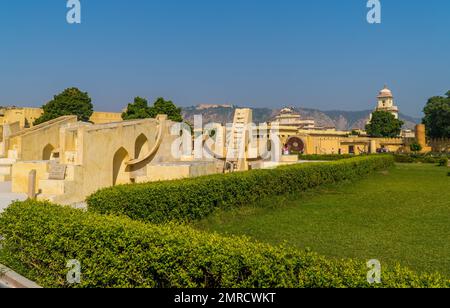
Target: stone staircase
(237, 139)
(60, 185)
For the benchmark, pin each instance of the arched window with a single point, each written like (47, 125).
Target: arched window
(141, 146)
(47, 152)
(120, 174)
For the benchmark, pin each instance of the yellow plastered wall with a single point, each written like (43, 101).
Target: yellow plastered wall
(102, 151)
(21, 171)
(21, 115)
(317, 144)
(105, 117)
(33, 143)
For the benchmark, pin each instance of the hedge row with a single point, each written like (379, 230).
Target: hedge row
(325, 157)
(40, 238)
(421, 158)
(192, 199)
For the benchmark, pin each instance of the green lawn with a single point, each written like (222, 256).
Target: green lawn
(401, 215)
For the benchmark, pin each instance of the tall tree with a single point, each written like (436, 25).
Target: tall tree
(384, 124)
(162, 106)
(71, 101)
(437, 116)
(139, 109)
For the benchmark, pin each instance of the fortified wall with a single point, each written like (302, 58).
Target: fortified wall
(441, 145)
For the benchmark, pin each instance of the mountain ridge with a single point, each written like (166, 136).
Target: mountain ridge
(340, 119)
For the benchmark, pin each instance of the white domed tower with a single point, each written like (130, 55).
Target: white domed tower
(386, 102)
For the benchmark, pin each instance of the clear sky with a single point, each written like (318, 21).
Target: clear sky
(258, 53)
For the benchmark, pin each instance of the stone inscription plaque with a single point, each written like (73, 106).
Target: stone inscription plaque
(57, 172)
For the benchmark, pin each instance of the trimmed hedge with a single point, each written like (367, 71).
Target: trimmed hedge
(443, 162)
(325, 157)
(40, 238)
(191, 199)
(405, 159)
(420, 158)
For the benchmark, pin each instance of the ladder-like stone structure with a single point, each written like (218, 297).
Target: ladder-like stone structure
(238, 139)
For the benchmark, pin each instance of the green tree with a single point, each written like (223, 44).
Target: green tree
(139, 109)
(437, 116)
(384, 124)
(415, 147)
(70, 102)
(162, 106)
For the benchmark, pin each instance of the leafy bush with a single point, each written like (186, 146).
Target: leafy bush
(195, 198)
(428, 160)
(415, 147)
(40, 238)
(406, 159)
(443, 162)
(420, 158)
(326, 157)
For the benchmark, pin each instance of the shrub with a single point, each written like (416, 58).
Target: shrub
(326, 157)
(415, 147)
(40, 238)
(406, 159)
(432, 158)
(428, 160)
(443, 162)
(195, 198)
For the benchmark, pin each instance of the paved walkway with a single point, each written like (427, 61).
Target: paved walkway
(7, 197)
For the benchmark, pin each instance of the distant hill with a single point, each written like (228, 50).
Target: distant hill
(341, 120)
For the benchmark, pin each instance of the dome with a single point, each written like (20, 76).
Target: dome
(286, 110)
(385, 93)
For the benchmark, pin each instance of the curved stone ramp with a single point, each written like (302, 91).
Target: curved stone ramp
(57, 121)
(153, 150)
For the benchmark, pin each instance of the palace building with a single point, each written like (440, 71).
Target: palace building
(288, 117)
(386, 102)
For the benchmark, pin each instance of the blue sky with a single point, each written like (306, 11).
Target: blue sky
(259, 53)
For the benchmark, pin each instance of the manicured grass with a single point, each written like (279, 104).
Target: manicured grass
(398, 216)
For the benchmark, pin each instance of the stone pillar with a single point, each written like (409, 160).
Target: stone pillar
(62, 145)
(81, 135)
(421, 135)
(373, 147)
(32, 185)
